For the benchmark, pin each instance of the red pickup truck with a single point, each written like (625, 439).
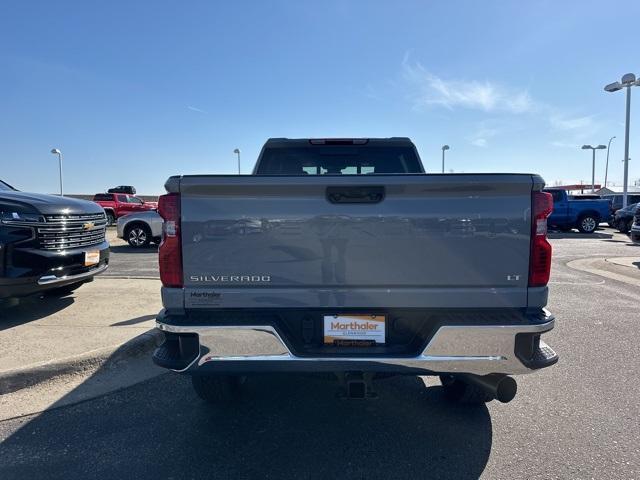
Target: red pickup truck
(117, 205)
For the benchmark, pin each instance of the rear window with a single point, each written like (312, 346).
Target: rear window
(102, 197)
(586, 197)
(556, 194)
(5, 187)
(338, 160)
(616, 200)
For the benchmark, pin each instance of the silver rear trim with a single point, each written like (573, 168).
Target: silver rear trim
(52, 279)
(479, 350)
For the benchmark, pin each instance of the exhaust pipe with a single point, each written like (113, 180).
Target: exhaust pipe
(500, 387)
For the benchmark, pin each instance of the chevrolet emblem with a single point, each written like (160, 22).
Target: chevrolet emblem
(88, 226)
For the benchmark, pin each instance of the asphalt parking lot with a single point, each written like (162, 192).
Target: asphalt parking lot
(128, 262)
(578, 419)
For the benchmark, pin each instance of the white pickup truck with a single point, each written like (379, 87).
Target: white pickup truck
(342, 255)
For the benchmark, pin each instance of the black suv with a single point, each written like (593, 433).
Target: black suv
(123, 189)
(623, 219)
(49, 242)
(635, 228)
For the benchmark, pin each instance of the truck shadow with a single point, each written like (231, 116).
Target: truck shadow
(32, 308)
(282, 427)
(133, 321)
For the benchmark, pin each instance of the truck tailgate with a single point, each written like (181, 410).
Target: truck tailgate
(423, 241)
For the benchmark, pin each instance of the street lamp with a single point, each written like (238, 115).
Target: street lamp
(628, 80)
(444, 147)
(606, 168)
(55, 151)
(593, 167)
(237, 152)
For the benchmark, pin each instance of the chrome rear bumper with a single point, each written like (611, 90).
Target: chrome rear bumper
(472, 349)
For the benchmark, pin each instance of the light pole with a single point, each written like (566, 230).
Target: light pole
(606, 168)
(628, 80)
(237, 152)
(444, 148)
(55, 151)
(593, 166)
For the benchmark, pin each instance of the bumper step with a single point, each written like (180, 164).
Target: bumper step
(177, 351)
(543, 356)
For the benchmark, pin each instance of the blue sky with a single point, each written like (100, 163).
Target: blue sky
(133, 92)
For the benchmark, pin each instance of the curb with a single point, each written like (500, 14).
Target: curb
(629, 262)
(107, 357)
(590, 265)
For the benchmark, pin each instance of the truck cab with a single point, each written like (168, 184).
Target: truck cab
(583, 213)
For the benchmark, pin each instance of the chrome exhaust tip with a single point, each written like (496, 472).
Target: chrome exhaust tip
(501, 387)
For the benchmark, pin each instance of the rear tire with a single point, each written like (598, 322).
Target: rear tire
(138, 235)
(111, 218)
(217, 389)
(457, 391)
(625, 226)
(587, 224)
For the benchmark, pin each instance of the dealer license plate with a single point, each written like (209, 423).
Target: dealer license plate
(354, 330)
(91, 258)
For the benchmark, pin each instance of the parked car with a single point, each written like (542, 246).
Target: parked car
(118, 204)
(140, 229)
(357, 263)
(48, 243)
(123, 189)
(616, 204)
(584, 214)
(635, 228)
(623, 219)
(616, 200)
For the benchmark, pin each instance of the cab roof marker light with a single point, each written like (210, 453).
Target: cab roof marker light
(339, 141)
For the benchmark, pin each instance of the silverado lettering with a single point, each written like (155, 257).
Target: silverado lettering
(230, 278)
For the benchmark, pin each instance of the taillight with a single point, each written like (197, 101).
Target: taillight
(170, 251)
(540, 259)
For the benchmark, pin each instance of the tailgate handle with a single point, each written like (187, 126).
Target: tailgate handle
(355, 194)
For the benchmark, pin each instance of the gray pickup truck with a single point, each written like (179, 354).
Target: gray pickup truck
(344, 256)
